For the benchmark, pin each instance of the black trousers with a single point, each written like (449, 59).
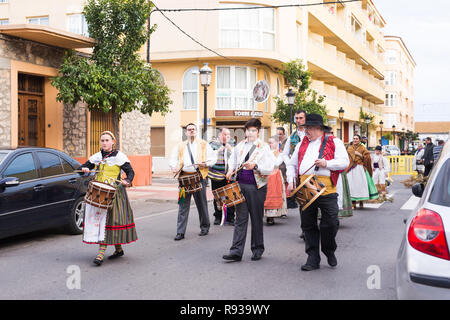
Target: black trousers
(323, 235)
(428, 168)
(252, 208)
(217, 209)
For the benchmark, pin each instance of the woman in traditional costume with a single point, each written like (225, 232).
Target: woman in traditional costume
(118, 227)
(275, 205)
(359, 173)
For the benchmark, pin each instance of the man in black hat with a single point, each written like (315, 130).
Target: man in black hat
(325, 157)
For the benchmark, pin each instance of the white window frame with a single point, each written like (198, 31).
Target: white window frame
(190, 70)
(39, 20)
(389, 59)
(82, 21)
(4, 22)
(261, 28)
(391, 99)
(234, 93)
(391, 78)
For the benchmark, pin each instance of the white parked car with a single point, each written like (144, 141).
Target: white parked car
(391, 150)
(423, 261)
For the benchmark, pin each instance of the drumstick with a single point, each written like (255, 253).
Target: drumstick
(189, 165)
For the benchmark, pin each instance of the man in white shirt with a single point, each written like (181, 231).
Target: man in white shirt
(295, 137)
(324, 156)
(190, 157)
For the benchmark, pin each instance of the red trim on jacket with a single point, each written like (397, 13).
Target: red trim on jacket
(328, 152)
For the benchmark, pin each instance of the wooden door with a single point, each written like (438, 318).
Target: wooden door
(345, 135)
(31, 122)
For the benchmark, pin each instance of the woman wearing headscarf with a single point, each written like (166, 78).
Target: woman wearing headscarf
(119, 227)
(359, 173)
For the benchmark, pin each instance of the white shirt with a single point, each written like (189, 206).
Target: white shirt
(263, 157)
(385, 163)
(340, 161)
(211, 157)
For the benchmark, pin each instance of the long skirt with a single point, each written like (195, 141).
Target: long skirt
(361, 184)
(275, 204)
(344, 200)
(120, 227)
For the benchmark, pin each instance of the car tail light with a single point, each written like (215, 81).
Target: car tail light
(426, 234)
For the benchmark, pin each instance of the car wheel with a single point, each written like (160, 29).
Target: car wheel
(75, 225)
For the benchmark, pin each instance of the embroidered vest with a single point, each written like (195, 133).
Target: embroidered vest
(201, 155)
(328, 152)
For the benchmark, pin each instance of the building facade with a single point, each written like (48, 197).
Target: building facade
(398, 108)
(342, 44)
(33, 39)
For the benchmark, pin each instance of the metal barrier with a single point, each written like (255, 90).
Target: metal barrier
(401, 165)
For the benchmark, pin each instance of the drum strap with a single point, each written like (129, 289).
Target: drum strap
(192, 159)
(322, 148)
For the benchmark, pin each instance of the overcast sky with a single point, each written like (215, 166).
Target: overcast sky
(425, 28)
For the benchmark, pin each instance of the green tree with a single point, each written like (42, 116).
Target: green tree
(362, 122)
(114, 79)
(306, 99)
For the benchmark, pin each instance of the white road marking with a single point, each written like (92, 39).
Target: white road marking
(411, 203)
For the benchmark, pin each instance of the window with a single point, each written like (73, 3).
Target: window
(67, 166)
(22, 168)
(440, 194)
(299, 41)
(4, 22)
(39, 20)
(391, 78)
(390, 119)
(252, 29)
(50, 164)
(267, 103)
(3, 1)
(76, 23)
(390, 57)
(278, 88)
(234, 88)
(190, 89)
(391, 99)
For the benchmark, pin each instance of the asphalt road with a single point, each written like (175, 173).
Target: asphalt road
(53, 265)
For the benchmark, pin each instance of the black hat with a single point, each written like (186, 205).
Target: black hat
(378, 148)
(314, 119)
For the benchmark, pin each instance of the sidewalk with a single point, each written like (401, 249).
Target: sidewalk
(164, 188)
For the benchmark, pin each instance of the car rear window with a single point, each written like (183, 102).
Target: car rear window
(440, 193)
(3, 156)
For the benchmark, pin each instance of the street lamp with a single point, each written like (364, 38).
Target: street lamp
(290, 98)
(341, 116)
(381, 127)
(393, 132)
(367, 131)
(205, 80)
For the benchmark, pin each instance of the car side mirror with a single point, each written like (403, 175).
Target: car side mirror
(9, 182)
(417, 189)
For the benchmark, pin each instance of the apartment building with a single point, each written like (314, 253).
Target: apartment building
(398, 108)
(33, 38)
(342, 44)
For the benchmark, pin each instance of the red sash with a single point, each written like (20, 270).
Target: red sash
(328, 152)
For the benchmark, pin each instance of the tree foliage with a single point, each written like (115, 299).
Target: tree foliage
(306, 99)
(115, 78)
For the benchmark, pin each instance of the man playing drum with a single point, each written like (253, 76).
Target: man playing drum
(325, 156)
(256, 162)
(217, 174)
(192, 156)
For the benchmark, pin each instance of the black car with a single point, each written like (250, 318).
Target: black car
(39, 190)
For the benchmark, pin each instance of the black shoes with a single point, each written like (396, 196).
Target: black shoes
(116, 254)
(203, 233)
(217, 221)
(256, 257)
(232, 257)
(309, 267)
(179, 236)
(332, 261)
(98, 262)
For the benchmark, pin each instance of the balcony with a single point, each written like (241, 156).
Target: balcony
(328, 67)
(334, 31)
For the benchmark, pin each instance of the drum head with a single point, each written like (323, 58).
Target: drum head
(101, 185)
